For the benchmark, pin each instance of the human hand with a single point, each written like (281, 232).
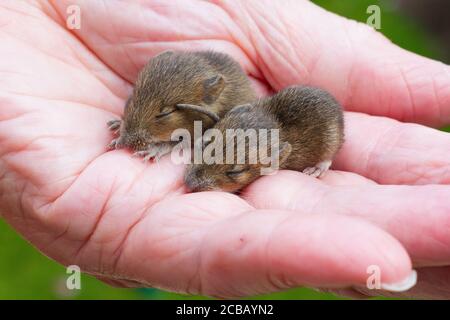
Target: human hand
(132, 224)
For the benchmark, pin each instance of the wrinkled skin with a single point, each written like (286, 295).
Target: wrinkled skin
(131, 223)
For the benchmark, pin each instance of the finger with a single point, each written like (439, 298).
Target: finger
(391, 152)
(120, 283)
(299, 42)
(281, 45)
(434, 283)
(66, 138)
(88, 221)
(341, 178)
(40, 47)
(250, 252)
(119, 33)
(418, 216)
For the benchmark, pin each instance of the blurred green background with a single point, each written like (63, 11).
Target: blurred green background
(27, 274)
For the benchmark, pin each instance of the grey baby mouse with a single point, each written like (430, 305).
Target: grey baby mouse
(311, 131)
(172, 91)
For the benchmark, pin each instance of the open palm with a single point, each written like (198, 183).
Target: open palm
(132, 224)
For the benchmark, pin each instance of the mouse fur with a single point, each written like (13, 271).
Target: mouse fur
(207, 79)
(311, 131)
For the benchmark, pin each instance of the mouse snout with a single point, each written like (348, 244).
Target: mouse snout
(133, 141)
(196, 181)
(194, 187)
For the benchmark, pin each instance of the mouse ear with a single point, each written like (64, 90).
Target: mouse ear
(200, 109)
(165, 53)
(241, 108)
(213, 88)
(285, 151)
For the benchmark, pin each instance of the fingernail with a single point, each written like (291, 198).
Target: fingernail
(403, 285)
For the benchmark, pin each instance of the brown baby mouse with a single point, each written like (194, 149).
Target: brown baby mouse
(171, 92)
(305, 129)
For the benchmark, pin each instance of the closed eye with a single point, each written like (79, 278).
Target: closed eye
(236, 173)
(166, 113)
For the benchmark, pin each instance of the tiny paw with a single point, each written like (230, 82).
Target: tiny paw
(312, 171)
(146, 154)
(318, 169)
(114, 125)
(113, 144)
(155, 151)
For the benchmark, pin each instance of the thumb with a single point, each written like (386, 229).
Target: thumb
(297, 42)
(229, 249)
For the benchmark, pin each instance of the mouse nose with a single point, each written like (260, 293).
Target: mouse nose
(193, 189)
(194, 183)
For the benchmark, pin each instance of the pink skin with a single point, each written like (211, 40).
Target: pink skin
(131, 224)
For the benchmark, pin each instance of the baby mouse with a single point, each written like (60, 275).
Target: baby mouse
(172, 91)
(311, 131)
